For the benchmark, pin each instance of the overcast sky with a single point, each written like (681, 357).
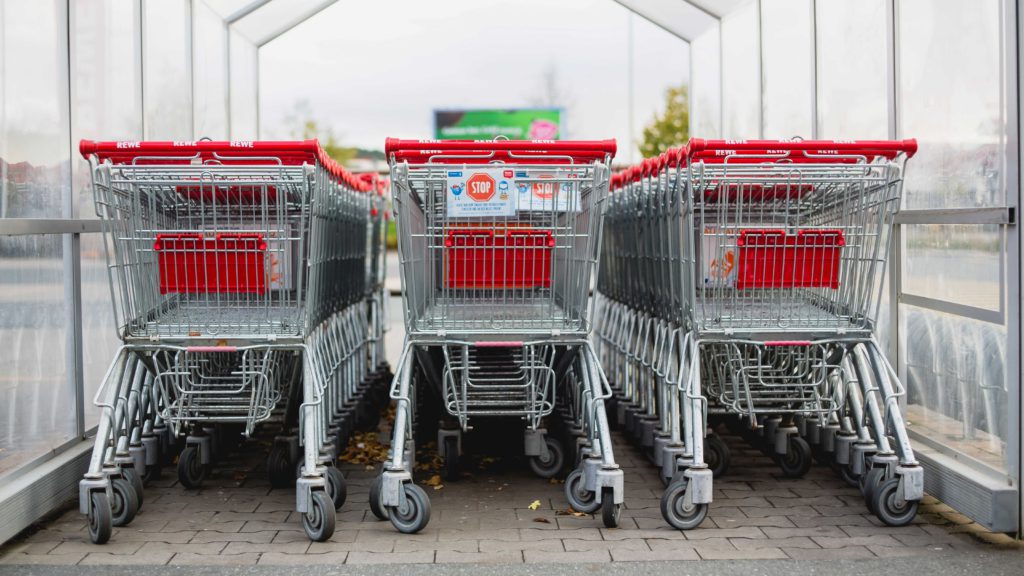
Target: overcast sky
(375, 69)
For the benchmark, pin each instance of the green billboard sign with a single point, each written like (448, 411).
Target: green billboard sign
(515, 124)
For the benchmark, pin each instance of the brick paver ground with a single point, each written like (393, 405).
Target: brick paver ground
(487, 517)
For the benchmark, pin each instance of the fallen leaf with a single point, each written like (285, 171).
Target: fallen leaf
(542, 520)
(439, 486)
(535, 504)
(434, 480)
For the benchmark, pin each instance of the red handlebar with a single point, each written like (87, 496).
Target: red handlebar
(484, 151)
(289, 153)
(798, 150)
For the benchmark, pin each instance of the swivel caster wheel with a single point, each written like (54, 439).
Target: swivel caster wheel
(280, 471)
(376, 508)
(125, 504)
(101, 523)
(581, 499)
(610, 511)
(337, 488)
(890, 508)
(451, 458)
(716, 455)
(869, 483)
(414, 513)
(135, 479)
(680, 514)
(797, 460)
(549, 467)
(319, 520)
(191, 471)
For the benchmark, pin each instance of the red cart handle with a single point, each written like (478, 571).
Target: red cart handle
(485, 151)
(798, 150)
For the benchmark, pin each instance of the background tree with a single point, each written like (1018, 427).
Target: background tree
(306, 128)
(671, 127)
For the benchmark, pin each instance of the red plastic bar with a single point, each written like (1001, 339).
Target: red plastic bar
(775, 259)
(228, 264)
(798, 150)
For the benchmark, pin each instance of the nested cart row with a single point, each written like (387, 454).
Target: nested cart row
(740, 282)
(247, 284)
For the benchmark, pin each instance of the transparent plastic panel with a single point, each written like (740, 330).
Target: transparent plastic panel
(951, 101)
(956, 384)
(786, 67)
(956, 263)
(36, 404)
(210, 73)
(852, 101)
(34, 139)
(167, 69)
(741, 90)
(706, 85)
(244, 60)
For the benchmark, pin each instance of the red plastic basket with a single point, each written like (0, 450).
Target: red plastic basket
(517, 258)
(228, 263)
(775, 259)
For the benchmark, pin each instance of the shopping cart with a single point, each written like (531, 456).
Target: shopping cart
(238, 274)
(497, 243)
(743, 278)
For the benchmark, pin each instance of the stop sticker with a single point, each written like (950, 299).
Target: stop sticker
(480, 187)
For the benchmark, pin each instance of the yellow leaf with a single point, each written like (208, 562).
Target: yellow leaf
(535, 504)
(434, 480)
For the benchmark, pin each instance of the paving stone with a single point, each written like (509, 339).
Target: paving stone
(156, 548)
(833, 531)
(506, 534)
(890, 552)
(436, 546)
(665, 533)
(811, 521)
(734, 554)
(595, 556)
(29, 548)
(777, 521)
(791, 511)
(279, 559)
(658, 545)
(382, 546)
(850, 552)
(361, 557)
(877, 540)
(187, 558)
(886, 530)
(282, 548)
(251, 537)
(499, 546)
(111, 547)
(654, 555)
(49, 559)
(528, 534)
(706, 533)
(104, 559)
(572, 545)
(756, 543)
(454, 557)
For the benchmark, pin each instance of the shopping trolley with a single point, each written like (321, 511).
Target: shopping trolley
(762, 307)
(238, 274)
(497, 244)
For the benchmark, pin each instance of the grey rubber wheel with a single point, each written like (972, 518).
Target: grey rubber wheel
(125, 503)
(319, 521)
(337, 488)
(414, 513)
(610, 511)
(889, 509)
(101, 525)
(581, 499)
(676, 512)
(549, 467)
(375, 506)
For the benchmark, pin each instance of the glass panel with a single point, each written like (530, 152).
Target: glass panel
(660, 61)
(210, 59)
(951, 101)
(852, 101)
(244, 88)
(36, 406)
(954, 262)
(741, 102)
(706, 85)
(787, 63)
(167, 70)
(34, 140)
(108, 106)
(956, 383)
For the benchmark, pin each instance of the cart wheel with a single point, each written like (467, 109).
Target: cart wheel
(610, 511)
(451, 458)
(677, 512)
(581, 499)
(716, 455)
(846, 473)
(337, 488)
(279, 470)
(319, 521)
(152, 472)
(191, 471)
(796, 462)
(100, 523)
(552, 465)
(135, 479)
(414, 514)
(379, 511)
(869, 484)
(889, 508)
(125, 503)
